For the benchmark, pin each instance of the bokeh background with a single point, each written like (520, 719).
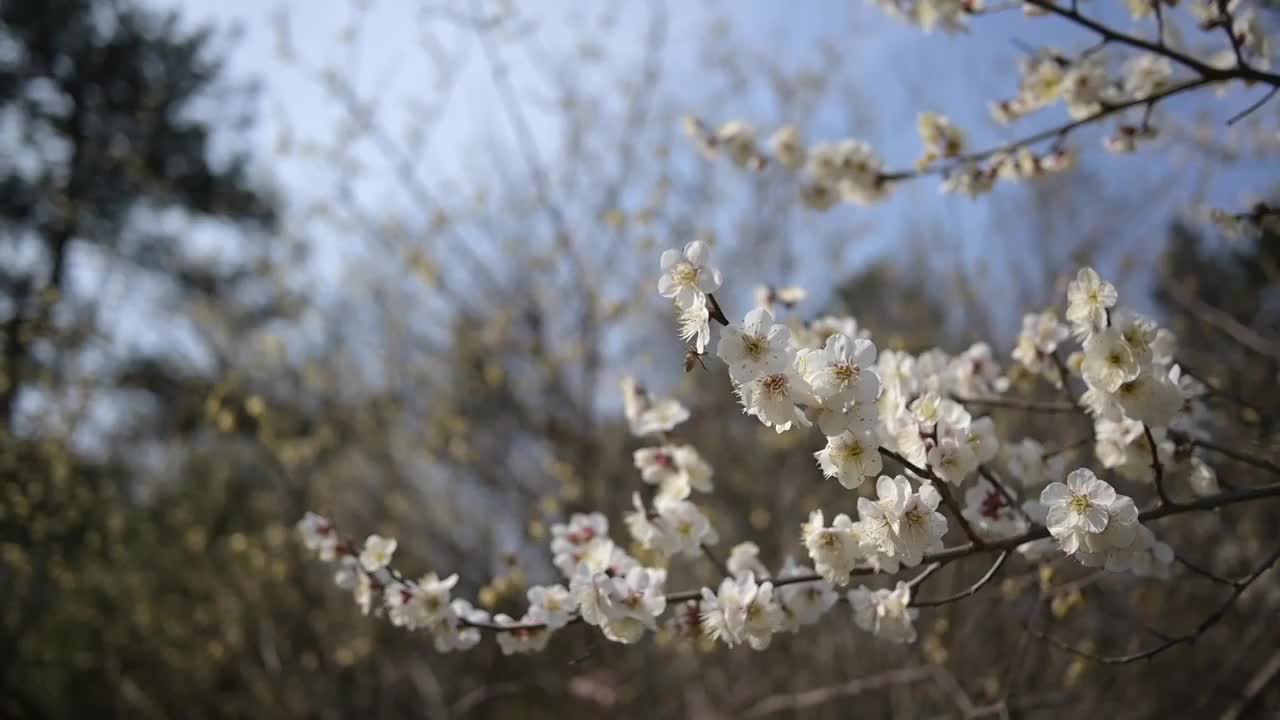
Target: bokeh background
(389, 259)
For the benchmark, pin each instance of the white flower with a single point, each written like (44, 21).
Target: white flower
(941, 139)
(431, 598)
(646, 416)
(676, 526)
(745, 558)
(788, 147)
(522, 640)
(686, 277)
(1150, 398)
(835, 550)
(1041, 334)
(1139, 333)
(569, 541)
(1108, 360)
(318, 536)
(842, 371)
(363, 593)
(551, 605)
(805, 602)
(1146, 74)
(885, 613)
(850, 458)
(377, 552)
(739, 140)
(451, 631)
(952, 461)
(773, 398)
(1202, 478)
(742, 611)
(759, 348)
(1083, 86)
(990, 514)
(695, 324)
(675, 469)
(906, 524)
(1088, 299)
(981, 439)
(632, 602)
(1078, 508)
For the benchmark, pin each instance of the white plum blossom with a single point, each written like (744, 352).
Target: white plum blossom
(675, 526)
(687, 276)
(941, 139)
(1079, 508)
(525, 638)
(742, 611)
(318, 536)
(759, 347)
(788, 147)
(1146, 74)
(835, 550)
(695, 324)
(904, 524)
(745, 558)
(647, 416)
(551, 605)
(774, 399)
(1041, 334)
(842, 370)
(675, 469)
(569, 541)
(377, 553)
(952, 461)
(990, 514)
(1089, 298)
(885, 613)
(805, 603)
(1150, 398)
(850, 458)
(1108, 360)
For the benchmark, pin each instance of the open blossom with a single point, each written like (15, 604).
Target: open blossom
(739, 142)
(646, 415)
(1079, 508)
(990, 513)
(1108, 360)
(675, 526)
(675, 469)
(1041, 334)
(742, 611)
(695, 324)
(952, 460)
(1088, 299)
(805, 603)
(941, 139)
(759, 347)
(687, 276)
(551, 605)
(904, 524)
(1146, 74)
(377, 552)
(1150, 398)
(774, 398)
(850, 458)
(787, 147)
(842, 370)
(318, 536)
(569, 541)
(835, 550)
(622, 606)
(885, 613)
(522, 640)
(745, 558)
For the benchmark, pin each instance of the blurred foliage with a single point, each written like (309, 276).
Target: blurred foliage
(148, 566)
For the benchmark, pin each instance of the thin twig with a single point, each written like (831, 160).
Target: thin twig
(1253, 106)
(1157, 467)
(982, 581)
(1205, 625)
(1237, 455)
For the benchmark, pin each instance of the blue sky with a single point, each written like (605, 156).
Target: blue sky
(898, 70)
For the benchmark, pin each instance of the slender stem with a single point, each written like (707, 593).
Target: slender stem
(990, 574)
(1157, 467)
(1016, 404)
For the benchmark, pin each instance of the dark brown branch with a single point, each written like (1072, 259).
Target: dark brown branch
(990, 477)
(1157, 467)
(1237, 455)
(972, 589)
(1253, 107)
(954, 506)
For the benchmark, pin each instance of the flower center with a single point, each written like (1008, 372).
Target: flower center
(845, 372)
(1080, 503)
(775, 384)
(685, 274)
(753, 345)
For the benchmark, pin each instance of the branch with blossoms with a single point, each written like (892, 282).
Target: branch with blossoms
(1086, 84)
(870, 407)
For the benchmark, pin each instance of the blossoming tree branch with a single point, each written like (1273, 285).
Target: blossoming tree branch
(945, 487)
